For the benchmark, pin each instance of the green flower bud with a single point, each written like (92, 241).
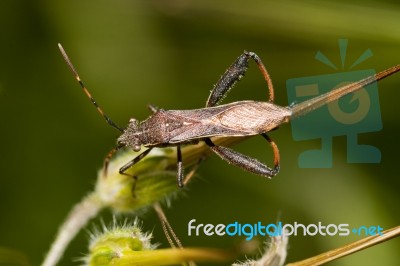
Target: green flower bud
(153, 182)
(112, 244)
(128, 245)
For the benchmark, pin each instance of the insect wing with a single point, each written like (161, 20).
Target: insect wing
(243, 118)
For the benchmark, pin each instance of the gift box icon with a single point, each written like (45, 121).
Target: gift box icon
(349, 116)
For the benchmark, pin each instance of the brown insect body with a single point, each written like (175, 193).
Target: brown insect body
(168, 127)
(244, 118)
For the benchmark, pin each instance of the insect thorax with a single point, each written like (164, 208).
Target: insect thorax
(154, 130)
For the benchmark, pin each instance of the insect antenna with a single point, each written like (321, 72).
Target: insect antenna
(323, 99)
(85, 90)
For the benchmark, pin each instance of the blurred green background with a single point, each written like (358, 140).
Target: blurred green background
(170, 53)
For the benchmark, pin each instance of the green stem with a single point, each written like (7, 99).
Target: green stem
(172, 256)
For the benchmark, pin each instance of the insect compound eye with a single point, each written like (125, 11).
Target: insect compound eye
(133, 121)
(136, 147)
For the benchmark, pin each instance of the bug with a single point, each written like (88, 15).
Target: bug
(238, 119)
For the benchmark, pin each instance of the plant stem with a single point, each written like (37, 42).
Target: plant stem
(77, 218)
(173, 256)
(349, 248)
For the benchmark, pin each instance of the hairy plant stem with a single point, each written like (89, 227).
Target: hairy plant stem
(77, 218)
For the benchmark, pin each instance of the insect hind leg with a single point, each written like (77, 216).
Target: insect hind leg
(233, 74)
(245, 162)
(277, 158)
(265, 74)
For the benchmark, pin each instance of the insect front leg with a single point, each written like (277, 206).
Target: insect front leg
(108, 158)
(245, 162)
(132, 162)
(233, 74)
